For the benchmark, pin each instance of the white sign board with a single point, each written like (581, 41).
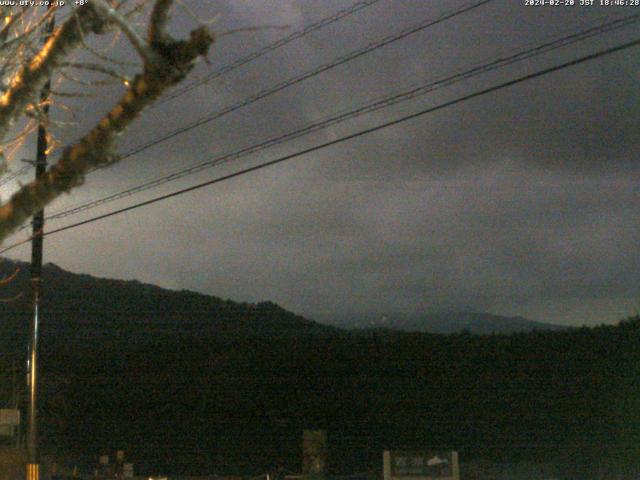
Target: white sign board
(420, 465)
(9, 416)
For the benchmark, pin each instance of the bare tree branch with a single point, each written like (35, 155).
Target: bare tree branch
(15, 298)
(112, 15)
(10, 278)
(26, 85)
(159, 20)
(170, 62)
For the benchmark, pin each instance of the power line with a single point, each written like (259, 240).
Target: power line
(252, 56)
(368, 108)
(345, 138)
(306, 75)
(14, 175)
(270, 48)
(297, 79)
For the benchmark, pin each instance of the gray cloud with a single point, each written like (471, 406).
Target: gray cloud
(524, 201)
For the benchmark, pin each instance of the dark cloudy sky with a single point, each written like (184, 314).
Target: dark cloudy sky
(523, 202)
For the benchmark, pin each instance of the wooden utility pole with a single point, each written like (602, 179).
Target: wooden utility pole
(33, 468)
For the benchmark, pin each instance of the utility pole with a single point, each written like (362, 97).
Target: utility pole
(33, 468)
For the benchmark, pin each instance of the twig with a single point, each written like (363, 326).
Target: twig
(252, 29)
(113, 16)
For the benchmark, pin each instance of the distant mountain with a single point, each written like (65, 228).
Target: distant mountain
(81, 308)
(479, 323)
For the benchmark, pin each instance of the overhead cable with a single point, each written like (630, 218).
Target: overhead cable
(370, 107)
(321, 146)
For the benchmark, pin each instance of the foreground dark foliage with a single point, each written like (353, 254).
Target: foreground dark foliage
(181, 398)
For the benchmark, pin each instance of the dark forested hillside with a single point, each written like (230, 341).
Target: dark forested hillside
(233, 401)
(81, 308)
(193, 406)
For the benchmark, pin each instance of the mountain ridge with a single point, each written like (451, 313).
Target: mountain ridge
(83, 308)
(98, 307)
(449, 322)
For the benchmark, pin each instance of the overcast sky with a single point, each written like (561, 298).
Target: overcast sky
(525, 201)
